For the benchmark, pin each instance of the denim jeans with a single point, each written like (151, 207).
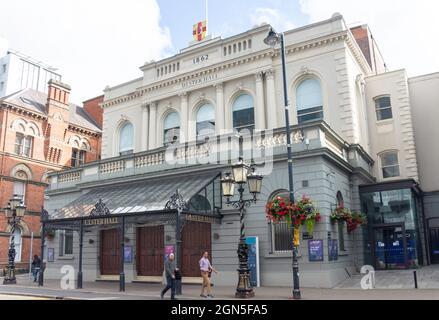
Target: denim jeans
(170, 284)
(36, 272)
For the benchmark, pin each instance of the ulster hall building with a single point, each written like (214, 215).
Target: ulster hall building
(360, 140)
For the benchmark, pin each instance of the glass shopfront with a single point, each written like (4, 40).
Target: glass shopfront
(393, 237)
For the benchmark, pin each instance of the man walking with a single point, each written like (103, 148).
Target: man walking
(170, 268)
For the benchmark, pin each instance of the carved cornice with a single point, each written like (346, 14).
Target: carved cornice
(291, 49)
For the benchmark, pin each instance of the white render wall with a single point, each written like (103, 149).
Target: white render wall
(325, 50)
(424, 95)
(396, 134)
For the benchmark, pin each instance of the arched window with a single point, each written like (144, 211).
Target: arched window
(199, 203)
(309, 101)
(206, 120)
(390, 164)
(281, 235)
(341, 228)
(126, 139)
(17, 243)
(243, 113)
(171, 133)
(340, 201)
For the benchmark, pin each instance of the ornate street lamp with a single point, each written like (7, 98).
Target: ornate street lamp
(241, 177)
(14, 212)
(273, 39)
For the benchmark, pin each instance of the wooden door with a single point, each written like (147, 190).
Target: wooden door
(150, 251)
(110, 252)
(196, 238)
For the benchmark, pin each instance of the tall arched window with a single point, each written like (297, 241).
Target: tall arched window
(341, 228)
(281, 235)
(126, 139)
(171, 132)
(243, 113)
(206, 120)
(309, 101)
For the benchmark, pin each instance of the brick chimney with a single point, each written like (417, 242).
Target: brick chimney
(58, 98)
(94, 109)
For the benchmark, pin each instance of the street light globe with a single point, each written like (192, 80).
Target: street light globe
(272, 39)
(20, 210)
(8, 211)
(15, 201)
(228, 186)
(254, 183)
(240, 171)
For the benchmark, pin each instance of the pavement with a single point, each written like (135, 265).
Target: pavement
(427, 277)
(390, 285)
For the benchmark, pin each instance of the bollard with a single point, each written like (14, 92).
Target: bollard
(415, 276)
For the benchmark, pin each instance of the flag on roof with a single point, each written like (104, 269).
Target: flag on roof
(200, 30)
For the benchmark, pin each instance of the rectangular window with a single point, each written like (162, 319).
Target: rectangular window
(78, 157)
(341, 228)
(244, 119)
(20, 189)
(383, 108)
(390, 165)
(27, 151)
(19, 139)
(311, 114)
(4, 68)
(282, 237)
(66, 242)
(75, 156)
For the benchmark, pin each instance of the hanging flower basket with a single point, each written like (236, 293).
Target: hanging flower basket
(353, 219)
(300, 213)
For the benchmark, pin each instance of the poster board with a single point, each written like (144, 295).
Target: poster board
(253, 260)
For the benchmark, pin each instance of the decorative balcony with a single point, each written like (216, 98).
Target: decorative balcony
(258, 147)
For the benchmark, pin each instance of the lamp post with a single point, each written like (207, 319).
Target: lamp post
(14, 212)
(272, 40)
(241, 176)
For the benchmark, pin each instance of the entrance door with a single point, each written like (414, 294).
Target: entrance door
(390, 247)
(110, 252)
(434, 245)
(196, 238)
(150, 251)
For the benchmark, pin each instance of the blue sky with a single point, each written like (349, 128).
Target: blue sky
(226, 17)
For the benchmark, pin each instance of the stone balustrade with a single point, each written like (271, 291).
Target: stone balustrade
(304, 138)
(149, 160)
(112, 167)
(69, 177)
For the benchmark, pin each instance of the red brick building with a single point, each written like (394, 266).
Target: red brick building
(41, 133)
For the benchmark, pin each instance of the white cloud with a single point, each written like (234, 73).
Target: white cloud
(405, 30)
(93, 43)
(271, 16)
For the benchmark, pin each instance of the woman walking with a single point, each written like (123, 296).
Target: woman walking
(205, 268)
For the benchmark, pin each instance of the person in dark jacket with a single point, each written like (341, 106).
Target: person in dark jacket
(36, 267)
(170, 269)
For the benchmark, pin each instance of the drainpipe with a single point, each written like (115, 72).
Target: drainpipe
(426, 230)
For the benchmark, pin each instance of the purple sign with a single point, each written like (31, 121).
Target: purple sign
(168, 251)
(315, 250)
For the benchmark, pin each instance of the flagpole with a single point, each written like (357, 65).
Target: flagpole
(207, 17)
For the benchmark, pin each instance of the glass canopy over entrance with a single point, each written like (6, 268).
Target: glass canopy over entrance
(393, 238)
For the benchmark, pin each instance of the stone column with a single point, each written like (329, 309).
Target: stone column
(145, 126)
(184, 132)
(259, 103)
(153, 125)
(220, 112)
(272, 107)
